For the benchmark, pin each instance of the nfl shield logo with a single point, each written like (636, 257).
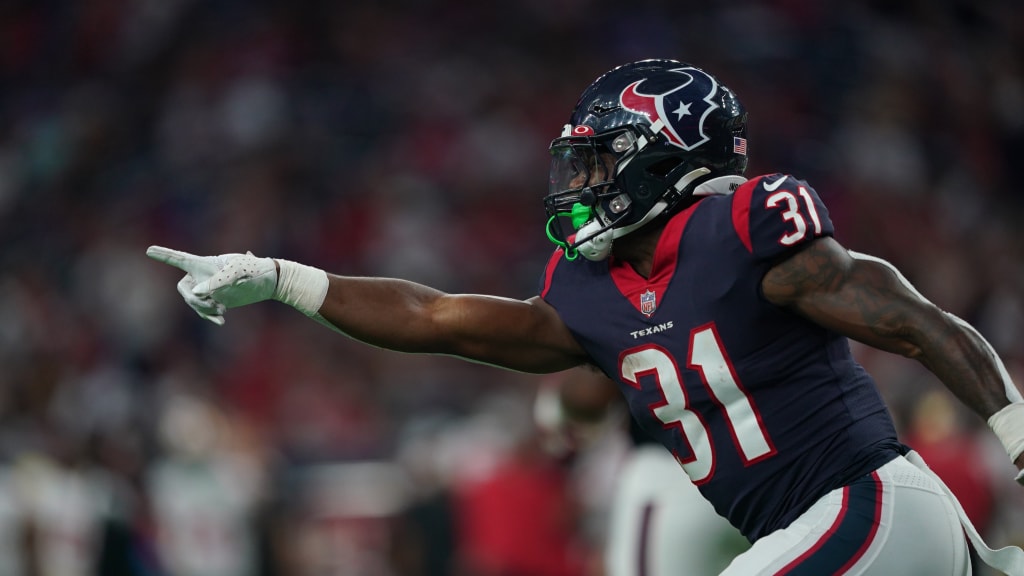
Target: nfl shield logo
(648, 302)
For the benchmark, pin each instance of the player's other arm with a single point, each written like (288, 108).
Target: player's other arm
(572, 408)
(524, 335)
(867, 299)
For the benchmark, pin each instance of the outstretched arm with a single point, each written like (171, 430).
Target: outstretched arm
(524, 335)
(867, 299)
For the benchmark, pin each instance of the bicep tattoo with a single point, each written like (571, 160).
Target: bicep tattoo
(820, 266)
(857, 298)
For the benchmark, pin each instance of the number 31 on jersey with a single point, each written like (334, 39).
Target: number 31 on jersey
(708, 358)
(792, 214)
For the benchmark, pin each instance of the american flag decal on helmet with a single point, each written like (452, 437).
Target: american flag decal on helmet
(739, 145)
(648, 302)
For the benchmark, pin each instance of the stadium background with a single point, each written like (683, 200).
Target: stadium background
(409, 138)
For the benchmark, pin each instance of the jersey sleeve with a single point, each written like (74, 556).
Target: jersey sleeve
(775, 213)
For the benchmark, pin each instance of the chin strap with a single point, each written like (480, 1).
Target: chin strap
(653, 213)
(719, 185)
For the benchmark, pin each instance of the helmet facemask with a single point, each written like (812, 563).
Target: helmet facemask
(584, 202)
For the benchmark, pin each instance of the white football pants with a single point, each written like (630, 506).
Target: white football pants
(897, 520)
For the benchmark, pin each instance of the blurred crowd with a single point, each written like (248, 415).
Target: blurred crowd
(409, 138)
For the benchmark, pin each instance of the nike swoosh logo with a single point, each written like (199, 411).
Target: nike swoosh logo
(774, 185)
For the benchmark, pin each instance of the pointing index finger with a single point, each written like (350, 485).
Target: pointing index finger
(183, 260)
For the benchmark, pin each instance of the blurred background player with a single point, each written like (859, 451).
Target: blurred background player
(652, 520)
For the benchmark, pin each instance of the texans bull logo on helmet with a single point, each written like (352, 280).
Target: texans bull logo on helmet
(683, 120)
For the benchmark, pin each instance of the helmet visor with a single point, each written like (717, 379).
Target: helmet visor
(582, 180)
(582, 162)
(576, 165)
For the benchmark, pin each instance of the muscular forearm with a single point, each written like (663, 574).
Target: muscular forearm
(949, 347)
(399, 315)
(965, 363)
(867, 299)
(385, 312)
(907, 323)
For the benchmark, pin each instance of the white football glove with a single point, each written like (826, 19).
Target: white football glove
(212, 284)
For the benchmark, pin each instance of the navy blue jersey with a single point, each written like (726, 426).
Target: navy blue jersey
(764, 410)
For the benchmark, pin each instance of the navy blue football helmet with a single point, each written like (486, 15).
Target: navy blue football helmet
(640, 140)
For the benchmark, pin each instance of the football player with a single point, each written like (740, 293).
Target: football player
(722, 308)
